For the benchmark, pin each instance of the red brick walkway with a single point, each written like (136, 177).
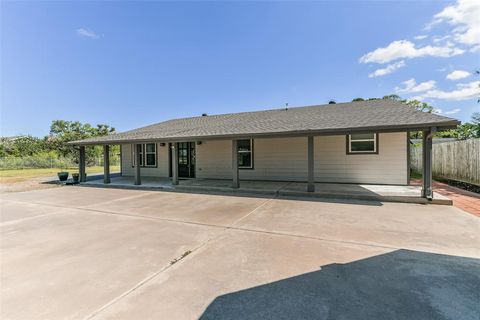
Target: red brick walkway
(465, 200)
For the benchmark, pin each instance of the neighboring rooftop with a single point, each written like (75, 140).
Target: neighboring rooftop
(340, 118)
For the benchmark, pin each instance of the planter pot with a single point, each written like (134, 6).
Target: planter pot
(62, 176)
(75, 177)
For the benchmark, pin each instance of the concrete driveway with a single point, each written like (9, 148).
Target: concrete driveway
(94, 253)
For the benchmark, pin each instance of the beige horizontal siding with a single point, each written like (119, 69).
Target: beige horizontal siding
(274, 159)
(389, 166)
(214, 159)
(162, 162)
(286, 159)
(278, 159)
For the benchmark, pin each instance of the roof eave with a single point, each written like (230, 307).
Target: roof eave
(440, 126)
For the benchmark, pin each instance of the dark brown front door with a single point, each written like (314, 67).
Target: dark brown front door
(186, 159)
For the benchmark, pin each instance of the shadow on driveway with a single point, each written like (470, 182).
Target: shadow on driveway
(402, 284)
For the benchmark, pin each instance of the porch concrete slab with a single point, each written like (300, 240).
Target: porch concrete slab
(431, 228)
(391, 193)
(210, 209)
(269, 186)
(245, 275)
(66, 266)
(358, 189)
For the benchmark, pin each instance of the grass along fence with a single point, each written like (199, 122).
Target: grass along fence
(456, 160)
(43, 162)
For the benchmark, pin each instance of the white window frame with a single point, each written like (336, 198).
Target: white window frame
(134, 158)
(143, 155)
(374, 151)
(251, 155)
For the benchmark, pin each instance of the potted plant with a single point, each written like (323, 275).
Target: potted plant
(75, 177)
(62, 175)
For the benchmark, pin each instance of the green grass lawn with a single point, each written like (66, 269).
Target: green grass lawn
(18, 175)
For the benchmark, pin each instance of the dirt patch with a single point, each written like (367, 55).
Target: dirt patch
(19, 184)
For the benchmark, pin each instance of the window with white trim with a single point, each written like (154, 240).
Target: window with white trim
(362, 143)
(148, 155)
(245, 154)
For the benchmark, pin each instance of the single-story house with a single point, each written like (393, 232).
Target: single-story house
(363, 142)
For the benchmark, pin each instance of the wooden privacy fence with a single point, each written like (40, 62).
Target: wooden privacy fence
(456, 160)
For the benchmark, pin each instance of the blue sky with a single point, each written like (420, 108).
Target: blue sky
(130, 64)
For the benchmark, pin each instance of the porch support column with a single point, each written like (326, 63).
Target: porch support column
(81, 165)
(175, 163)
(311, 167)
(138, 151)
(235, 174)
(408, 158)
(427, 191)
(106, 164)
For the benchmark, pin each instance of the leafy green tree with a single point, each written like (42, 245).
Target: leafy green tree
(62, 131)
(393, 97)
(470, 129)
(54, 148)
(358, 99)
(21, 146)
(421, 106)
(466, 130)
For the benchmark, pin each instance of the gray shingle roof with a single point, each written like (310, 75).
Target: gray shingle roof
(373, 115)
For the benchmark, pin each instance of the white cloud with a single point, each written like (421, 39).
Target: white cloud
(388, 69)
(453, 111)
(457, 74)
(404, 49)
(82, 32)
(438, 39)
(411, 86)
(463, 92)
(465, 17)
(475, 49)
(420, 37)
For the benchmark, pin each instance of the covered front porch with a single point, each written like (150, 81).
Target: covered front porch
(308, 177)
(368, 192)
